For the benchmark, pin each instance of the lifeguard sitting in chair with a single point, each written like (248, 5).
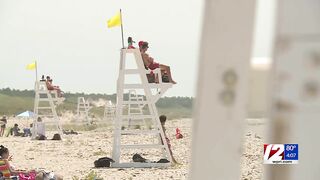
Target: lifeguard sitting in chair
(152, 65)
(51, 87)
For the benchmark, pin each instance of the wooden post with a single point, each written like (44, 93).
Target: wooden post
(296, 88)
(220, 109)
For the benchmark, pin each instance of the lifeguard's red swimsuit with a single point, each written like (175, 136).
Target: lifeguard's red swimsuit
(154, 66)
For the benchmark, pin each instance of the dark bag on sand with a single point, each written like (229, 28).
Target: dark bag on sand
(163, 161)
(56, 137)
(103, 162)
(138, 158)
(41, 137)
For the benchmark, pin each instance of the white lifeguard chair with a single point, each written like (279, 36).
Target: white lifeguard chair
(155, 133)
(83, 109)
(109, 111)
(45, 103)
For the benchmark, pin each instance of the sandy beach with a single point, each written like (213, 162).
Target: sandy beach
(73, 157)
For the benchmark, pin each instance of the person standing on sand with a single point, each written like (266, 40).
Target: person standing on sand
(3, 125)
(163, 119)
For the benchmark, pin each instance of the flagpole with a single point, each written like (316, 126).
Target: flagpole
(121, 30)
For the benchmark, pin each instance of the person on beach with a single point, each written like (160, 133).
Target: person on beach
(151, 64)
(130, 43)
(27, 131)
(3, 125)
(163, 120)
(8, 170)
(16, 130)
(5, 168)
(41, 128)
(51, 87)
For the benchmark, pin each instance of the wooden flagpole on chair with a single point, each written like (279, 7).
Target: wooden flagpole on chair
(121, 30)
(117, 21)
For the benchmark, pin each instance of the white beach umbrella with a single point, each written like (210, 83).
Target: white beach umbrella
(26, 114)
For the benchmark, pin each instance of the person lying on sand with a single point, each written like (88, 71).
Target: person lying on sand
(8, 171)
(163, 119)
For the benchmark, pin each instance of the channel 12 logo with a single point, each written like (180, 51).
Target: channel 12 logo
(280, 154)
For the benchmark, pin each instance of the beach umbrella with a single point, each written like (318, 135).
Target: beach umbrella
(26, 114)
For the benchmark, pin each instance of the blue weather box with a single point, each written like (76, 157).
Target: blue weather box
(291, 151)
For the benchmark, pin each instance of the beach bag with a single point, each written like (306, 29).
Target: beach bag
(163, 161)
(27, 176)
(103, 162)
(41, 137)
(56, 137)
(138, 158)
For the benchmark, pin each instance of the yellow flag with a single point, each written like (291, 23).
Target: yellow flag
(114, 21)
(31, 66)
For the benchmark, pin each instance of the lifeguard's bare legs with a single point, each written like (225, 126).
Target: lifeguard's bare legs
(168, 71)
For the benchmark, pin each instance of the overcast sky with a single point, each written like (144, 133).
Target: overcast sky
(71, 42)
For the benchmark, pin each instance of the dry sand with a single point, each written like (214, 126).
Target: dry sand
(74, 156)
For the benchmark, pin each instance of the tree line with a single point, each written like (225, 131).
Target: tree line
(13, 101)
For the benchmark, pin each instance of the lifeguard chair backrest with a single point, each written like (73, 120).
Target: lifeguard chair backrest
(42, 86)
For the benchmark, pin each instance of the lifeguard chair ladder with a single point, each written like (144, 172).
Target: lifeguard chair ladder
(45, 106)
(83, 109)
(151, 114)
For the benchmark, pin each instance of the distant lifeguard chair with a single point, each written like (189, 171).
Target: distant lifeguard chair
(45, 103)
(152, 92)
(109, 111)
(83, 109)
(135, 108)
